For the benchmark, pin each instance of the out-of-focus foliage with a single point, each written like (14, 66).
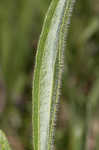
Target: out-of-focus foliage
(3, 142)
(20, 27)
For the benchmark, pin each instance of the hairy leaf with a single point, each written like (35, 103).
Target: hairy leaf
(47, 74)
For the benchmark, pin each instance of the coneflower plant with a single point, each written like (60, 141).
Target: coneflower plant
(47, 75)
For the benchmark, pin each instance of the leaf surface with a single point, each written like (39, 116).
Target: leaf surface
(48, 70)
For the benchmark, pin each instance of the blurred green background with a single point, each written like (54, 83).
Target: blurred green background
(20, 26)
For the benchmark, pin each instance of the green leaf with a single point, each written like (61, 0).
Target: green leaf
(4, 145)
(48, 70)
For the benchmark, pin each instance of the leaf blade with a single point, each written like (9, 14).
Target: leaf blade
(47, 73)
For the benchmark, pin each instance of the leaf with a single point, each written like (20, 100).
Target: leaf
(47, 73)
(4, 145)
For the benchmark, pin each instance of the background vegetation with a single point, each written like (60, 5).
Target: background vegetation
(20, 27)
